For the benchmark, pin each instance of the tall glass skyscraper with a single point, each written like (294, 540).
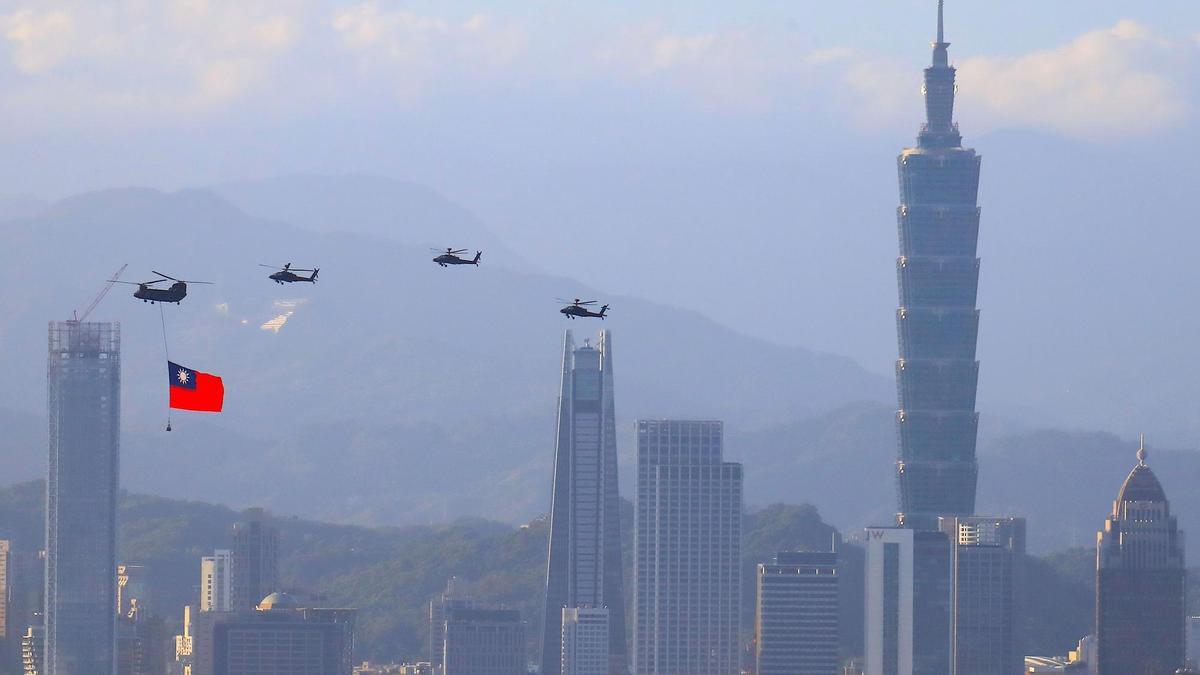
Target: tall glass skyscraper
(937, 322)
(84, 387)
(584, 566)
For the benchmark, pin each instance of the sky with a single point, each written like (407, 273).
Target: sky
(735, 158)
(181, 92)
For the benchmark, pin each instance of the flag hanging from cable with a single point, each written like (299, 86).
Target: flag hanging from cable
(194, 390)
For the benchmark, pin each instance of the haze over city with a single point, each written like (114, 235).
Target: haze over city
(721, 177)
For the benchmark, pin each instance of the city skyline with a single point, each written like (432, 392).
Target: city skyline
(355, 440)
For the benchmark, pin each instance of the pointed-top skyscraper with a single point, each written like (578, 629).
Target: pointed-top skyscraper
(937, 322)
(1140, 573)
(584, 566)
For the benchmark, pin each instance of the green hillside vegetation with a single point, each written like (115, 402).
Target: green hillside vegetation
(390, 573)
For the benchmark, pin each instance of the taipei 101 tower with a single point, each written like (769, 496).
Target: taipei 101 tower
(937, 322)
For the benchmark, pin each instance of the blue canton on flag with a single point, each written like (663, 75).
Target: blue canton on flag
(180, 376)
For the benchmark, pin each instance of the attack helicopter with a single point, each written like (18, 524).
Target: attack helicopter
(579, 308)
(146, 292)
(450, 257)
(287, 274)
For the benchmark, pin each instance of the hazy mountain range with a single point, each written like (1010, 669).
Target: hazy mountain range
(395, 391)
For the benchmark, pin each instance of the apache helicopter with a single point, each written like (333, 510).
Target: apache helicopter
(147, 293)
(287, 275)
(450, 257)
(579, 308)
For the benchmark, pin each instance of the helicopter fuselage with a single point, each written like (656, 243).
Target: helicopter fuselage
(147, 293)
(446, 259)
(572, 311)
(287, 277)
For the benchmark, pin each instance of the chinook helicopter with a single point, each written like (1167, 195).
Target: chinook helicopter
(579, 308)
(146, 292)
(450, 257)
(287, 274)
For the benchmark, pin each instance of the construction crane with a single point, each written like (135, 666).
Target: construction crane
(76, 317)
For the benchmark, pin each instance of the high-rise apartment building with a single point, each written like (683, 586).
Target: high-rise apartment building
(84, 387)
(797, 615)
(255, 559)
(908, 603)
(937, 321)
(216, 581)
(988, 570)
(585, 641)
(484, 642)
(584, 562)
(1140, 581)
(687, 551)
(278, 638)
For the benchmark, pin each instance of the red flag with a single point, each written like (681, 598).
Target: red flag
(194, 390)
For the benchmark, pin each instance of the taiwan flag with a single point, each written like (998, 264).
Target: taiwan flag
(194, 390)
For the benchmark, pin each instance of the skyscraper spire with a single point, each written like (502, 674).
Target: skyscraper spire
(938, 130)
(941, 36)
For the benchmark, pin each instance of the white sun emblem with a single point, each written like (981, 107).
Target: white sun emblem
(183, 376)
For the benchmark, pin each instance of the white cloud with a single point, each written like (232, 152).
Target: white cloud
(743, 70)
(40, 40)
(131, 57)
(414, 50)
(1120, 80)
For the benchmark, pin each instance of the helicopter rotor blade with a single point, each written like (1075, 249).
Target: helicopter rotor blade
(187, 281)
(164, 275)
(274, 267)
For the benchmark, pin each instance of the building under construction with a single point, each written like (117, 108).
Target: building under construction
(84, 409)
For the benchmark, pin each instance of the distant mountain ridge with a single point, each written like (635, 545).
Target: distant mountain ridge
(390, 371)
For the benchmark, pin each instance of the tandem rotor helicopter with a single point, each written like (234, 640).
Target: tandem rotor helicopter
(579, 308)
(450, 257)
(287, 274)
(146, 292)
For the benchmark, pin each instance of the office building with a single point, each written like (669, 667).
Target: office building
(255, 559)
(216, 581)
(454, 597)
(584, 561)
(141, 645)
(797, 615)
(278, 638)
(585, 641)
(908, 602)
(987, 567)
(937, 321)
(1140, 581)
(84, 387)
(687, 550)
(484, 642)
